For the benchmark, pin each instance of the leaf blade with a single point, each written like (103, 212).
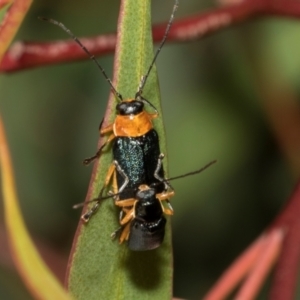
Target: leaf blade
(121, 273)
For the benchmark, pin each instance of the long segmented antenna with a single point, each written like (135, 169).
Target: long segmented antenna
(185, 175)
(145, 77)
(157, 183)
(78, 205)
(149, 103)
(91, 56)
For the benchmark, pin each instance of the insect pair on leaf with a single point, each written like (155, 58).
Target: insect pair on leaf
(142, 216)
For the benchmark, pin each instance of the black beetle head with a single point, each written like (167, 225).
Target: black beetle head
(146, 196)
(130, 107)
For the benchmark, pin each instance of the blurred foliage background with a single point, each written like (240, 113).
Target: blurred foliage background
(216, 98)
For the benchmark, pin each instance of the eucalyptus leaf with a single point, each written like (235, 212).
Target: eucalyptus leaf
(99, 267)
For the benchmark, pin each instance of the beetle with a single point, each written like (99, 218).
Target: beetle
(134, 174)
(142, 217)
(143, 221)
(137, 158)
(131, 119)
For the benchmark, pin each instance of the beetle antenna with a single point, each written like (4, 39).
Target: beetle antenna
(149, 103)
(154, 184)
(78, 205)
(91, 56)
(145, 77)
(185, 175)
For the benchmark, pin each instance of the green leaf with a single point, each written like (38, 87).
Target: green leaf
(99, 267)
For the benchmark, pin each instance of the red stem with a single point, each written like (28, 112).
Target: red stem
(261, 268)
(24, 55)
(286, 271)
(237, 271)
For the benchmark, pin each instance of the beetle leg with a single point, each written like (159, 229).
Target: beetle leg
(86, 216)
(123, 174)
(125, 233)
(110, 138)
(165, 197)
(156, 173)
(128, 217)
(126, 202)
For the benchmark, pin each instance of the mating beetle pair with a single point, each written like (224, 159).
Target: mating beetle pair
(140, 188)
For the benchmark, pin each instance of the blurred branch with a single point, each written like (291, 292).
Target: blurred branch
(56, 261)
(24, 55)
(283, 112)
(286, 272)
(280, 101)
(282, 238)
(12, 20)
(252, 266)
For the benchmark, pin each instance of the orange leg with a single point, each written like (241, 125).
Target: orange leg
(105, 130)
(153, 116)
(115, 183)
(165, 197)
(125, 233)
(126, 220)
(128, 217)
(111, 172)
(126, 202)
(126, 206)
